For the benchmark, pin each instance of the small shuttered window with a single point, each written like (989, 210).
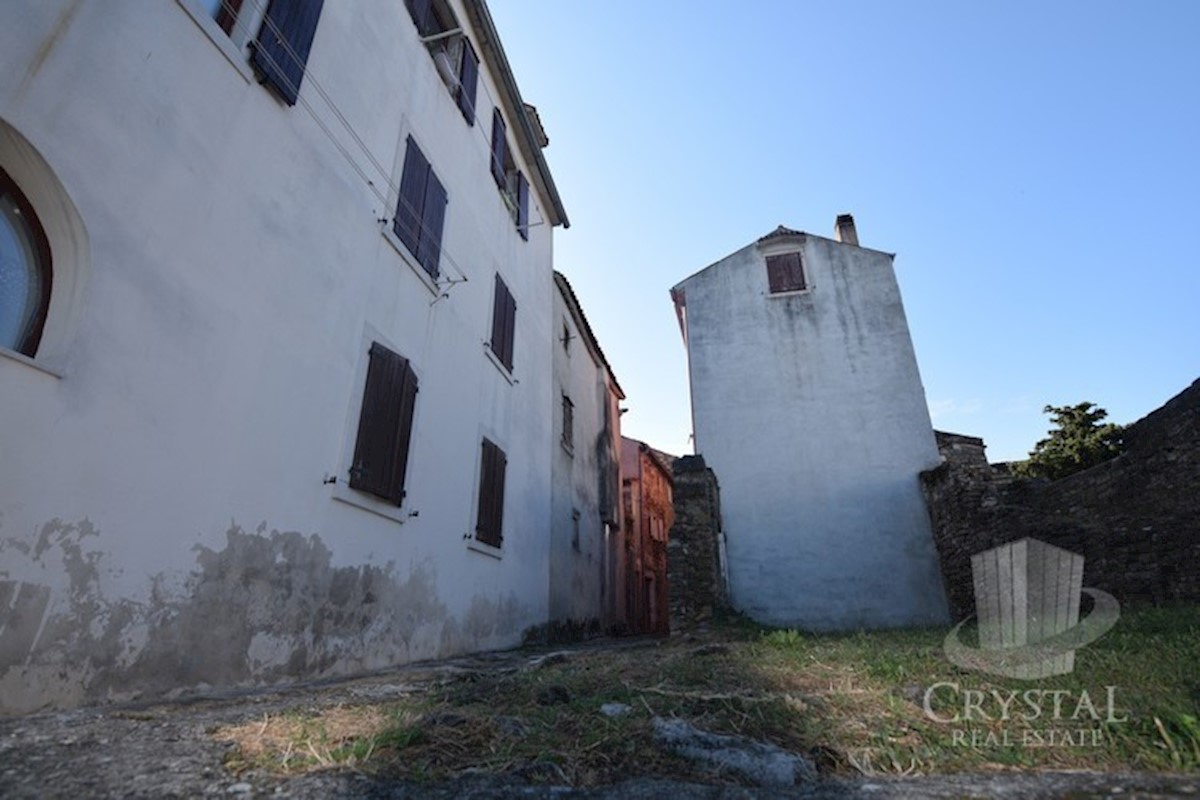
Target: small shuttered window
(489, 521)
(384, 426)
(568, 422)
(499, 149)
(468, 78)
(522, 206)
(420, 210)
(504, 320)
(785, 273)
(280, 52)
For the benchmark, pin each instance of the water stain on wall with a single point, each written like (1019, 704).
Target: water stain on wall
(266, 607)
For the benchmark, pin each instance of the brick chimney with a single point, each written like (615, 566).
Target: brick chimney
(844, 230)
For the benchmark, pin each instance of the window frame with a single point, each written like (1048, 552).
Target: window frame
(44, 263)
(237, 28)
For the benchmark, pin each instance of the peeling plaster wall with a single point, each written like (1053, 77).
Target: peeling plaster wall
(809, 408)
(164, 524)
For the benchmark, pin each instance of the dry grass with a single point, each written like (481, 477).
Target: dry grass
(852, 703)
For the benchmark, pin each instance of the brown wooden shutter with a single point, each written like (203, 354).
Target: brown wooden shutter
(384, 426)
(785, 273)
(568, 413)
(522, 206)
(504, 315)
(433, 215)
(422, 15)
(488, 525)
(498, 305)
(410, 206)
(408, 402)
(468, 77)
(499, 143)
(510, 326)
(795, 270)
(280, 52)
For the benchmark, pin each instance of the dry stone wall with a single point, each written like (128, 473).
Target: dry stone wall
(1134, 519)
(694, 572)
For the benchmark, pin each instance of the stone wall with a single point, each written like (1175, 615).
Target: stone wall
(1134, 519)
(694, 573)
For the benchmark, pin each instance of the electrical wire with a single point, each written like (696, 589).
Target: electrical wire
(241, 23)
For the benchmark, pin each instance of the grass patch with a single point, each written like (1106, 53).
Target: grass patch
(854, 703)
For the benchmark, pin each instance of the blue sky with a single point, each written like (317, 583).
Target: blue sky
(1034, 166)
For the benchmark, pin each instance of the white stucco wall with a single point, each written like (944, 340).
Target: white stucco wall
(579, 585)
(163, 518)
(809, 407)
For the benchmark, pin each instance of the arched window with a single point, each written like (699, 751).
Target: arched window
(24, 271)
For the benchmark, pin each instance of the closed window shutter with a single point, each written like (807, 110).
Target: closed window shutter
(422, 15)
(785, 273)
(568, 410)
(384, 426)
(433, 214)
(510, 327)
(522, 206)
(504, 314)
(499, 132)
(498, 306)
(491, 495)
(281, 51)
(410, 206)
(408, 401)
(468, 77)
(795, 270)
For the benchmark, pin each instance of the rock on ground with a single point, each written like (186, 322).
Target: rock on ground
(758, 762)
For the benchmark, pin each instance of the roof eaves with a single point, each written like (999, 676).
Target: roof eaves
(493, 53)
(581, 320)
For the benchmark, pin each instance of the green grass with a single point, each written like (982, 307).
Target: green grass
(852, 702)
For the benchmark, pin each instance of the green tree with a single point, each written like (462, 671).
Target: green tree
(1077, 441)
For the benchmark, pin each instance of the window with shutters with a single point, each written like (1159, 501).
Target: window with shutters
(785, 273)
(568, 424)
(384, 426)
(420, 210)
(490, 515)
(275, 36)
(504, 321)
(513, 186)
(453, 55)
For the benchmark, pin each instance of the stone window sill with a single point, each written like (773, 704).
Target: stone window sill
(485, 549)
(21, 358)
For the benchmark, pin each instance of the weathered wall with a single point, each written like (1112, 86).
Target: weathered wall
(582, 523)
(647, 520)
(809, 407)
(695, 572)
(163, 517)
(1134, 519)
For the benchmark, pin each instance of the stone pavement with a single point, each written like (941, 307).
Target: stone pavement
(166, 750)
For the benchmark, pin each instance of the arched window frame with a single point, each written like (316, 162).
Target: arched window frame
(41, 244)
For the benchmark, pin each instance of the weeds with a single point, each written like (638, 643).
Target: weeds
(855, 703)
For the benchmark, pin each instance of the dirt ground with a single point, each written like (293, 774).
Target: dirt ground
(169, 750)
